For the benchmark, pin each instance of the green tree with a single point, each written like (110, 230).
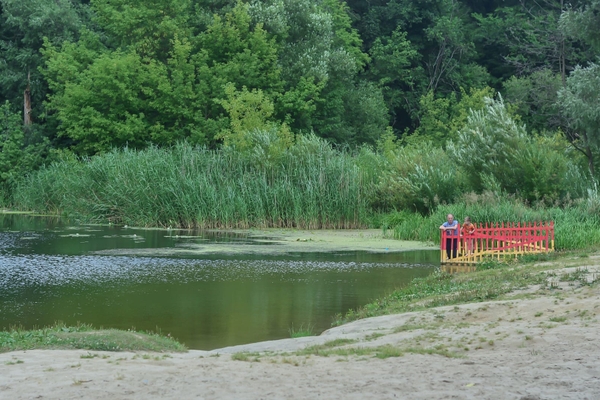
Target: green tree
(394, 67)
(449, 61)
(251, 111)
(441, 118)
(418, 177)
(534, 98)
(320, 57)
(19, 153)
(23, 26)
(143, 92)
(581, 21)
(579, 99)
(524, 37)
(147, 27)
(580, 102)
(418, 47)
(497, 153)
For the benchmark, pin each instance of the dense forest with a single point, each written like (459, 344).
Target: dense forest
(426, 99)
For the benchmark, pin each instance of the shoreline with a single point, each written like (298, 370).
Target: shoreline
(533, 343)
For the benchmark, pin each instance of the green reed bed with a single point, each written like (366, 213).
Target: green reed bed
(577, 225)
(194, 187)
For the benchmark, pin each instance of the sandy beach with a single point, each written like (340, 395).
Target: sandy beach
(532, 344)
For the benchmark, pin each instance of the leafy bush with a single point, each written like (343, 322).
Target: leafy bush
(497, 154)
(419, 177)
(441, 118)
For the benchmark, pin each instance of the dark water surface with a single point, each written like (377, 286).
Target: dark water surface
(49, 273)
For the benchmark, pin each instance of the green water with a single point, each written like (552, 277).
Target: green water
(52, 271)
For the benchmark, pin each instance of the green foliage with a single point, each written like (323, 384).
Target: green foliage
(21, 151)
(23, 27)
(302, 331)
(249, 113)
(580, 101)
(349, 113)
(583, 23)
(524, 38)
(487, 144)
(449, 64)
(365, 114)
(320, 56)
(418, 47)
(132, 73)
(534, 98)
(393, 67)
(420, 176)
(147, 27)
(316, 38)
(388, 144)
(410, 224)
(489, 264)
(137, 95)
(345, 35)
(342, 69)
(442, 118)
(497, 154)
(11, 143)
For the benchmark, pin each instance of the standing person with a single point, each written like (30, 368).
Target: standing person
(467, 230)
(451, 229)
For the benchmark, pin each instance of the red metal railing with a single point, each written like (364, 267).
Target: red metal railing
(497, 240)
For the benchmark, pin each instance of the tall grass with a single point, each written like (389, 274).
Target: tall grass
(309, 186)
(577, 225)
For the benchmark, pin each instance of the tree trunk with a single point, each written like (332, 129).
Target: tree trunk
(27, 103)
(590, 160)
(562, 58)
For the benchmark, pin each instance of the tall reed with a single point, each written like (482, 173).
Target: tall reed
(310, 186)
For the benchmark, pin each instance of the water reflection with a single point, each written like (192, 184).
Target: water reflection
(48, 273)
(457, 269)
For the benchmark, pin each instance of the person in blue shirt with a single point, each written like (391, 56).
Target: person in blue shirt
(451, 229)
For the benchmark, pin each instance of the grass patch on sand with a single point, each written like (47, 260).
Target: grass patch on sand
(384, 351)
(302, 331)
(60, 336)
(246, 356)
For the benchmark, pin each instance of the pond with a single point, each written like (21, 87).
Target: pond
(119, 277)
